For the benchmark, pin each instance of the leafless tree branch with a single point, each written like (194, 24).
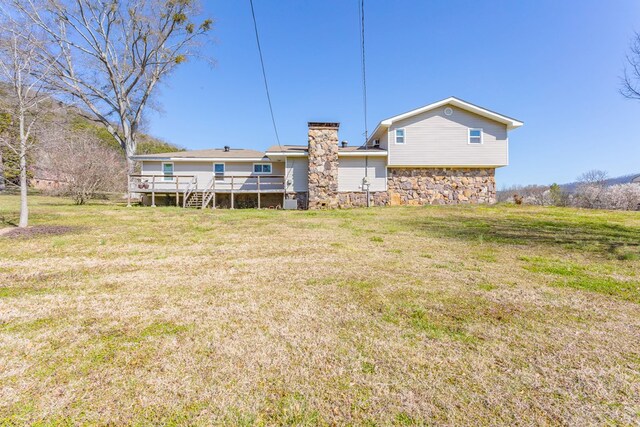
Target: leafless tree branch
(111, 55)
(630, 80)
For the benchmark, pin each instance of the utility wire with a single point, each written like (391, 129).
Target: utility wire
(264, 75)
(364, 74)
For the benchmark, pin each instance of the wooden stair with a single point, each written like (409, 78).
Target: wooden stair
(195, 200)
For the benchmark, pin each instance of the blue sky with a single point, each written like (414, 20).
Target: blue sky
(553, 64)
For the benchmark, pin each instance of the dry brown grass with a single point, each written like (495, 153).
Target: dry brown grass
(408, 316)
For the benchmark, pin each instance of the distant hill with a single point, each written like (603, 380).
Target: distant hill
(147, 144)
(624, 179)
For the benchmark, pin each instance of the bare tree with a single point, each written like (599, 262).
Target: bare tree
(590, 190)
(111, 54)
(23, 70)
(594, 177)
(631, 77)
(81, 165)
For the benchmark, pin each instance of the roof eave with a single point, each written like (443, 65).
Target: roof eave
(508, 121)
(285, 154)
(199, 159)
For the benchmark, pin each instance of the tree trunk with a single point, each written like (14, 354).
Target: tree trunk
(2, 183)
(131, 146)
(24, 208)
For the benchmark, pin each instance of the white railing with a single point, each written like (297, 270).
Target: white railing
(209, 192)
(188, 184)
(192, 185)
(251, 184)
(149, 183)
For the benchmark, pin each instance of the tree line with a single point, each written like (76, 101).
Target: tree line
(591, 191)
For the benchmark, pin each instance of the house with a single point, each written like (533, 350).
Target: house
(443, 153)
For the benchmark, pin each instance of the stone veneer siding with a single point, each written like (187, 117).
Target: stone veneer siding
(323, 165)
(428, 186)
(440, 186)
(358, 199)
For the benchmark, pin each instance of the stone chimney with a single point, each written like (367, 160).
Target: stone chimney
(323, 165)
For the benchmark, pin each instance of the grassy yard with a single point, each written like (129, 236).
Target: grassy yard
(388, 316)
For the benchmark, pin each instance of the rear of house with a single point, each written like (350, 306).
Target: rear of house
(442, 153)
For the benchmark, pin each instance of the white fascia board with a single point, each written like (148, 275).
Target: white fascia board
(363, 154)
(279, 154)
(381, 127)
(511, 123)
(508, 121)
(446, 166)
(198, 159)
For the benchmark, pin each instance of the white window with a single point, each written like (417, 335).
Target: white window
(218, 170)
(475, 136)
(262, 168)
(399, 136)
(167, 171)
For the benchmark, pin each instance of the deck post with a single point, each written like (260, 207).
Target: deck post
(177, 197)
(128, 191)
(153, 191)
(258, 191)
(231, 191)
(213, 196)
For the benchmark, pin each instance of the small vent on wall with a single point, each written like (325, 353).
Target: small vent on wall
(448, 111)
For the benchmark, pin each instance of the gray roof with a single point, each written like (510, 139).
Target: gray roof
(234, 153)
(303, 149)
(287, 149)
(361, 149)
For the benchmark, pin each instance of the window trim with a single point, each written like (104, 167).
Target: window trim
(481, 136)
(171, 177)
(404, 136)
(224, 170)
(262, 164)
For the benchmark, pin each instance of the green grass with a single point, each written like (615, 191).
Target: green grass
(595, 278)
(438, 315)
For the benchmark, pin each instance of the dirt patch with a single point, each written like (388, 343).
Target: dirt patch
(38, 230)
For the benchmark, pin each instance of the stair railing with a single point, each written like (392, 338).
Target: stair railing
(187, 192)
(209, 192)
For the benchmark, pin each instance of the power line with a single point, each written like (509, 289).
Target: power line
(364, 74)
(264, 74)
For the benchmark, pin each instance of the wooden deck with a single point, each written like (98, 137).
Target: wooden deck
(198, 195)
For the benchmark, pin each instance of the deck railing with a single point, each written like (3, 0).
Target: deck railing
(146, 183)
(249, 184)
(188, 184)
(140, 183)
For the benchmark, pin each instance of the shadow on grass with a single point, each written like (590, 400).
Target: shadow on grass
(40, 230)
(579, 233)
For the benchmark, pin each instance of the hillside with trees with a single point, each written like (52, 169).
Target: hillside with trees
(71, 155)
